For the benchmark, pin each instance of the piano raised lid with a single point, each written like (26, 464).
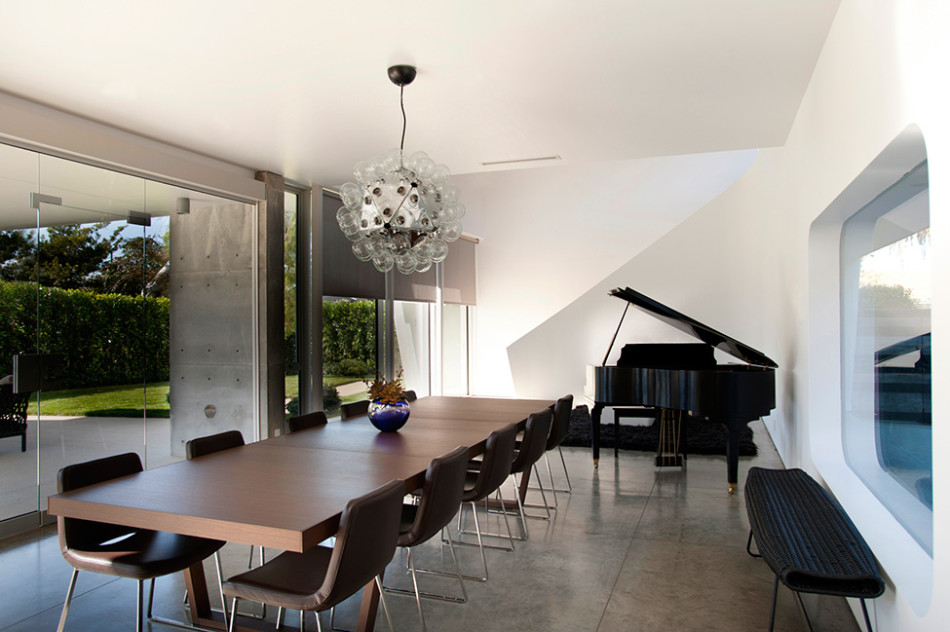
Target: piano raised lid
(732, 394)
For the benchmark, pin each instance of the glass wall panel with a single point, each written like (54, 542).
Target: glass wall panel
(455, 347)
(90, 315)
(291, 338)
(87, 272)
(886, 359)
(411, 329)
(19, 234)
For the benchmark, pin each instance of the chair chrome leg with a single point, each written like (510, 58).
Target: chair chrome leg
(69, 598)
(544, 498)
(234, 602)
(280, 616)
(504, 512)
(458, 571)
(547, 464)
(481, 545)
(570, 488)
(224, 602)
(524, 522)
(302, 613)
(415, 588)
(316, 615)
(382, 600)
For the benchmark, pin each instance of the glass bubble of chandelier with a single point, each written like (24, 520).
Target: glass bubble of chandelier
(401, 212)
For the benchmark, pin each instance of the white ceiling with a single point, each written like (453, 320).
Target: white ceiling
(299, 87)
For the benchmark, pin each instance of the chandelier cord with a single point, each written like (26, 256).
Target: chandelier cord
(402, 141)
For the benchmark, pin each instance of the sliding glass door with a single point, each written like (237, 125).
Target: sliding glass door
(89, 267)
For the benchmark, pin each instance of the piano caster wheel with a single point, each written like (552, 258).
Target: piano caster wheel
(596, 463)
(732, 488)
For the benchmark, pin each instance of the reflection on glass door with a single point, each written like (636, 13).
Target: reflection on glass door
(92, 316)
(86, 277)
(18, 248)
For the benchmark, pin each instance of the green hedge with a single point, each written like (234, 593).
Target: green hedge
(116, 339)
(349, 332)
(106, 338)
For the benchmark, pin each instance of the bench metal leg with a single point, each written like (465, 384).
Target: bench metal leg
(748, 546)
(774, 600)
(804, 612)
(867, 619)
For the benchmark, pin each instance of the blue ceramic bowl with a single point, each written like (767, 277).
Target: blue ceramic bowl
(388, 417)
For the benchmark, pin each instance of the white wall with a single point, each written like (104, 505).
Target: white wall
(546, 235)
(745, 266)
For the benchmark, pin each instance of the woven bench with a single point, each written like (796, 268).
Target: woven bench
(807, 539)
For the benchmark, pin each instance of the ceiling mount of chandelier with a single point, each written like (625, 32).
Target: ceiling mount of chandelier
(401, 212)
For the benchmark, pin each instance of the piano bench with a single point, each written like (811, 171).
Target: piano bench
(629, 412)
(807, 539)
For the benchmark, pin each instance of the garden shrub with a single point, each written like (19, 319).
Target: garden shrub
(105, 338)
(349, 331)
(353, 368)
(331, 398)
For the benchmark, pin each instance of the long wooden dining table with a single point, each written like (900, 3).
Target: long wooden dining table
(288, 492)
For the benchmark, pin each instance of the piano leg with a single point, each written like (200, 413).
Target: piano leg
(732, 455)
(595, 431)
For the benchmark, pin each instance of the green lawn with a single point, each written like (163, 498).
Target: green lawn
(127, 400)
(106, 401)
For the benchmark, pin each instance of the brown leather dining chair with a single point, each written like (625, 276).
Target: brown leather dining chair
(321, 577)
(532, 447)
(559, 429)
(354, 409)
(296, 424)
(439, 502)
(309, 420)
(493, 470)
(118, 550)
(209, 444)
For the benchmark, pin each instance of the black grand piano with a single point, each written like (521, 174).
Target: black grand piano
(684, 377)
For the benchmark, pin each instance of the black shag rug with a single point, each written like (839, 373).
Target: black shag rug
(702, 437)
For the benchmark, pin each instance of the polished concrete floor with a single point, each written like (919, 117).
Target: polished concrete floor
(633, 548)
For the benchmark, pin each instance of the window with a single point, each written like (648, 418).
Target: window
(411, 338)
(886, 359)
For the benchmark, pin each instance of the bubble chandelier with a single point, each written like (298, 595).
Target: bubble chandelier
(401, 212)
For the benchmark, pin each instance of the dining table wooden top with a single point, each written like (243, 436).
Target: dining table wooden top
(288, 492)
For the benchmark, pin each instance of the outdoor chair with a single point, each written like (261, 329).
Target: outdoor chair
(13, 414)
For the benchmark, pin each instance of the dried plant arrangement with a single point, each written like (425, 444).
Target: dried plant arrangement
(387, 391)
